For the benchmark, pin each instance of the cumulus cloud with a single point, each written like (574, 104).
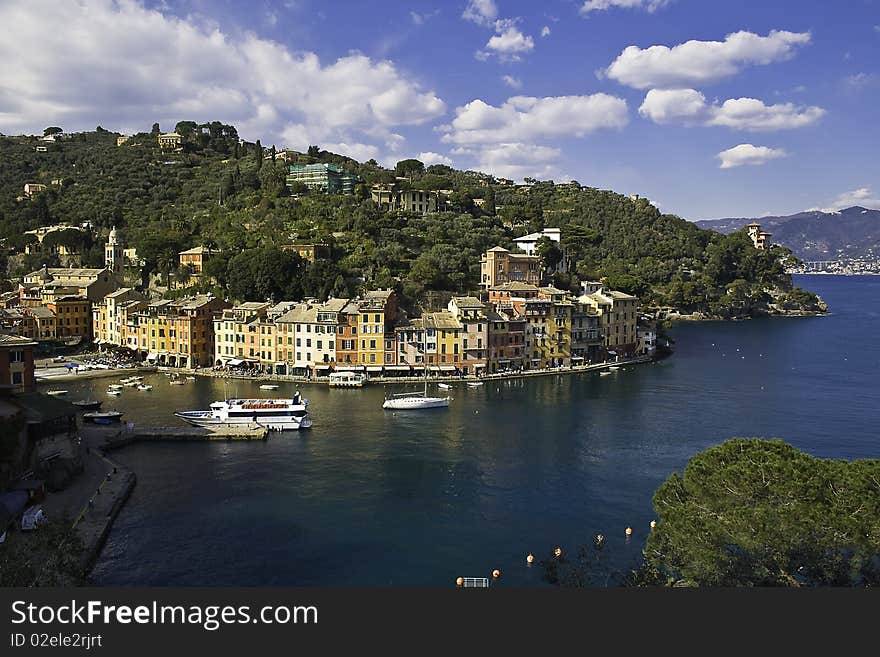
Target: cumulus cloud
(129, 66)
(862, 196)
(748, 155)
(514, 160)
(481, 12)
(429, 157)
(508, 43)
(602, 5)
(525, 118)
(702, 62)
(689, 107)
(511, 81)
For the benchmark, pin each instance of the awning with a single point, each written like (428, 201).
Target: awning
(234, 362)
(536, 360)
(322, 367)
(152, 356)
(281, 362)
(98, 341)
(577, 357)
(398, 368)
(434, 368)
(374, 368)
(613, 353)
(447, 368)
(479, 365)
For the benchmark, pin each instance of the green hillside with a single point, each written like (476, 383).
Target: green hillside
(220, 193)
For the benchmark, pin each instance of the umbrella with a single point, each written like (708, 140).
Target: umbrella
(71, 366)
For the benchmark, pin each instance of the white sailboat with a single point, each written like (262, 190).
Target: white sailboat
(413, 400)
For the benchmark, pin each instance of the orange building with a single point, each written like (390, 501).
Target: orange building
(17, 362)
(499, 266)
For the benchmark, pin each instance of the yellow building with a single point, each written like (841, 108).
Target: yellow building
(377, 312)
(618, 319)
(108, 322)
(237, 333)
(309, 252)
(171, 141)
(443, 333)
(180, 332)
(73, 317)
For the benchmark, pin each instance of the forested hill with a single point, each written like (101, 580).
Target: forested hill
(231, 195)
(850, 233)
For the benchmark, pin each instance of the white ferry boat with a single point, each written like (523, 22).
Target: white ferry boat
(347, 380)
(276, 414)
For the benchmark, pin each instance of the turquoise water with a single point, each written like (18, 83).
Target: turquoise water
(372, 498)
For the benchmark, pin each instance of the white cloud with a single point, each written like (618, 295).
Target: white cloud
(525, 118)
(602, 5)
(422, 18)
(508, 44)
(514, 160)
(545, 31)
(863, 197)
(689, 107)
(429, 157)
(860, 80)
(748, 155)
(701, 62)
(124, 66)
(481, 12)
(511, 81)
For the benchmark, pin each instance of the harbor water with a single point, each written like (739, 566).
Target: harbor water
(370, 497)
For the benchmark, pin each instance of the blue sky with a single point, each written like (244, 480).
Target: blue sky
(709, 109)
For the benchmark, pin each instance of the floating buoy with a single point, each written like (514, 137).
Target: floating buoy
(558, 551)
(530, 558)
(629, 531)
(496, 574)
(459, 582)
(653, 524)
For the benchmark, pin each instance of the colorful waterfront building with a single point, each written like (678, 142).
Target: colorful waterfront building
(236, 333)
(17, 362)
(347, 337)
(73, 317)
(378, 314)
(471, 315)
(179, 332)
(618, 319)
(108, 320)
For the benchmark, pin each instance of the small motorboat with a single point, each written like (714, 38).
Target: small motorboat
(114, 391)
(88, 404)
(190, 378)
(114, 386)
(177, 382)
(604, 373)
(144, 386)
(56, 393)
(614, 368)
(474, 384)
(268, 386)
(102, 417)
(445, 386)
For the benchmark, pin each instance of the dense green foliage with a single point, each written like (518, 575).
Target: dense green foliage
(760, 512)
(231, 195)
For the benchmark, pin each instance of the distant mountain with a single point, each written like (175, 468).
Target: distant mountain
(848, 234)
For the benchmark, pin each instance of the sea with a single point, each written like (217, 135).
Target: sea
(375, 498)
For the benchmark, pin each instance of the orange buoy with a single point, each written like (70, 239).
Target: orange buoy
(629, 531)
(496, 574)
(459, 582)
(558, 551)
(530, 558)
(653, 524)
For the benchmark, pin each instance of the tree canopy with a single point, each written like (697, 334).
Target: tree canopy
(759, 512)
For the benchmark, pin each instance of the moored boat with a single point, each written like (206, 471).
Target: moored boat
(143, 386)
(474, 384)
(347, 380)
(276, 414)
(102, 417)
(88, 404)
(445, 386)
(268, 386)
(56, 393)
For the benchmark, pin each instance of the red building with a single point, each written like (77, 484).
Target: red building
(17, 362)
